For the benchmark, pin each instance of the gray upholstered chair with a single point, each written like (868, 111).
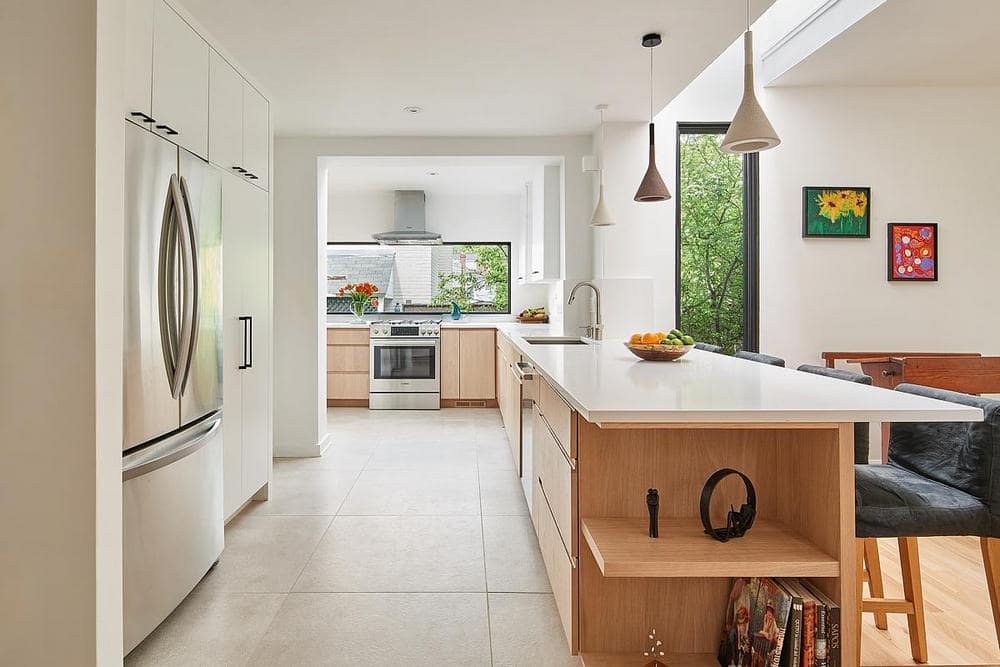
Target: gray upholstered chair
(708, 347)
(941, 479)
(760, 358)
(861, 435)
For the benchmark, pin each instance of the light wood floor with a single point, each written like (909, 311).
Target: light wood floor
(959, 623)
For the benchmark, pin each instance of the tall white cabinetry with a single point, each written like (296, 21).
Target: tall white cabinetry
(247, 341)
(540, 256)
(180, 87)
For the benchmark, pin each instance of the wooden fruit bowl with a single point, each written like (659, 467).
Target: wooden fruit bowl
(537, 319)
(649, 352)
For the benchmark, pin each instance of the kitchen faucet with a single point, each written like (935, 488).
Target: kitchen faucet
(596, 330)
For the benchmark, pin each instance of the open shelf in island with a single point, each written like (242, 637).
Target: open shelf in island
(622, 548)
(636, 659)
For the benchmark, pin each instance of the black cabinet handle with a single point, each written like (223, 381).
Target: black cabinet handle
(167, 129)
(142, 116)
(247, 342)
(252, 177)
(240, 169)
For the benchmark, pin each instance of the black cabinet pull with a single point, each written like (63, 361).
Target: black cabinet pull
(252, 177)
(142, 116)
(247, 342)
(240, 169)
(167, 129)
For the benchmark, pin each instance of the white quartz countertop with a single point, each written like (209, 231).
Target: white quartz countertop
(507, 325)
(605, 383)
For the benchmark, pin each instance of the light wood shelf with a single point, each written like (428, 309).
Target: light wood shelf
(638, 660)
(623, 548)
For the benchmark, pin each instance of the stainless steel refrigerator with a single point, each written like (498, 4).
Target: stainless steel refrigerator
(172, 450)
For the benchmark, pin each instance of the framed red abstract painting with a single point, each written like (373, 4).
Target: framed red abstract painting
(913, 251)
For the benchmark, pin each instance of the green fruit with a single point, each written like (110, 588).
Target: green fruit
(675, 333)
(688, 340)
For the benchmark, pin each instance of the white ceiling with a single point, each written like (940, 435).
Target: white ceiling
(910, 43)
(476, 67)
(454, 175)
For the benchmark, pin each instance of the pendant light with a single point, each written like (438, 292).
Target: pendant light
(652, 188)
(602, 216)
(750, 131)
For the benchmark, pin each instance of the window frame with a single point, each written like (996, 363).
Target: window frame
(751, 232)
(510, 282)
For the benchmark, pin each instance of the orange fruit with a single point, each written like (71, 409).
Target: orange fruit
(651, 339)
(635, 339)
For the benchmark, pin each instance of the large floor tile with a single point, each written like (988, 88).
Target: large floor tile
(525, 631)
(265, 554)
(397, 554)
(501, 492)
(419, 455)
(303, 490)
(377, 629)
(513, 561)
(494, 454)
(400, 492)
(209, 629)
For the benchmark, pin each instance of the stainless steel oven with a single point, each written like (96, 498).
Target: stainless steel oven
(405, 366)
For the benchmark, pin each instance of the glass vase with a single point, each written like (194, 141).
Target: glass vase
(358, 310)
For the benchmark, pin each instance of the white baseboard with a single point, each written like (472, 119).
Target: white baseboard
(298, 450)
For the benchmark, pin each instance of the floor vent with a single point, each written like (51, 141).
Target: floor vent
(470, 404)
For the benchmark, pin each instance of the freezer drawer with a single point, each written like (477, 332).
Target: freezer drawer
(172, 524)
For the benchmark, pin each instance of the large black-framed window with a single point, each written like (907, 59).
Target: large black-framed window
(422, 279)
(717, 260)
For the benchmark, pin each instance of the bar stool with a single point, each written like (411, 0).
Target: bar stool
(708, 347)
(872, 570)
(942, 479)
(760, 358)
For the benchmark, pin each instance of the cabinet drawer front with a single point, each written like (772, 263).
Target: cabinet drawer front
(347, 336)
(560, 567)
(347, 358)
(559, 416)
(347, 385)
(558, 481)
(506, 347)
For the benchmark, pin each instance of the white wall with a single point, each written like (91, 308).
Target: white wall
(299, 256)
(60, 362)
(927, 153)
(356, 215)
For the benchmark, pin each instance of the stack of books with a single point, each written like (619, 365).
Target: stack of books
(779, 623)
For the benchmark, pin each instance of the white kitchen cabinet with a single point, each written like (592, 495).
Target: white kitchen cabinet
(225, 114)
(179, 81)
(256, 135)
(545, 226)
(139, 60)
(247, 341)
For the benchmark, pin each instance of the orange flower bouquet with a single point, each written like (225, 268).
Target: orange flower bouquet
(361, 295)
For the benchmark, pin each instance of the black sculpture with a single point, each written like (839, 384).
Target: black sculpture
(653, 503)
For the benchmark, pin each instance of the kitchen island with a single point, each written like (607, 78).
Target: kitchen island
(607, 427)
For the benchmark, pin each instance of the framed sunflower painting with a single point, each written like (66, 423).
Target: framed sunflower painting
(836, 212)
(913, 251)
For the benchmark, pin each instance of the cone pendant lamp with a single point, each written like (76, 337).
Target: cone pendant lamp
(602, 216)
(750, 131)
(652, 188)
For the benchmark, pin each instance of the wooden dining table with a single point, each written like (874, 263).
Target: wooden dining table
(966, 372)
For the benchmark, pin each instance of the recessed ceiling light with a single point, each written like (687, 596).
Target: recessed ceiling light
(412, 109)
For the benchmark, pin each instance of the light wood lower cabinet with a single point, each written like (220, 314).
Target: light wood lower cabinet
(468, 364)
(557, 477)
(347, 362)
(561, 569)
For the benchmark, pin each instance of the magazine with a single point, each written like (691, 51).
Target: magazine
(768, 622)
(735, 647)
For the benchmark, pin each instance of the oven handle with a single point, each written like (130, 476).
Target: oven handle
(405, 342)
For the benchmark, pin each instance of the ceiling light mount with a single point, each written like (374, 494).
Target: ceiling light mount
(651, 39)
(412, 109)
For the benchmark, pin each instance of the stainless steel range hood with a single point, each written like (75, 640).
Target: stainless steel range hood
(410, 222)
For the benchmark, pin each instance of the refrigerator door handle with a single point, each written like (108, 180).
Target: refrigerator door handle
(167, 282)
(189, 294)
(167, 451)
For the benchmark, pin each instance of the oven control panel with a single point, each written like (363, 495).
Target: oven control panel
(405, 329)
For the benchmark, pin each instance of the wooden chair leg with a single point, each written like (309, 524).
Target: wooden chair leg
(991, 563)
(909, 561)
(875, 587)
(859, 546)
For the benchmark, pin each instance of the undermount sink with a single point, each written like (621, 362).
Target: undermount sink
(555, 340)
